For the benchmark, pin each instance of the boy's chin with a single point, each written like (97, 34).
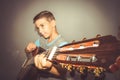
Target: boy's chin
(46, 37)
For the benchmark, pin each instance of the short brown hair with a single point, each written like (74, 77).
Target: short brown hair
(46, 14)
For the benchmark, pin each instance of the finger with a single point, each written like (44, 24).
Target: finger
(37, 62)
(44, 63)
(40, 62)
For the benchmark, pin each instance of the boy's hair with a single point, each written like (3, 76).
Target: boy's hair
(47, 14)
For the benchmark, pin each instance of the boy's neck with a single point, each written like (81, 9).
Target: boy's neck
(52, 37)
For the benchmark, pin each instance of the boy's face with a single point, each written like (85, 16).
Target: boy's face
(44, 27)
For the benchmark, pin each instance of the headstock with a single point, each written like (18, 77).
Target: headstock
(93, 55)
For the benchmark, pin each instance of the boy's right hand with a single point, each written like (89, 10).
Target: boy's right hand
(30, 47)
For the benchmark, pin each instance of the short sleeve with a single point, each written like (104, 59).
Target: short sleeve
(62, 44)
(37, 43)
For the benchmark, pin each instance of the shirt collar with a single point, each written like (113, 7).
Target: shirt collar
(52, 42)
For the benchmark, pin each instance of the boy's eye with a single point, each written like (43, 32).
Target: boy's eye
(42, 25)
(36, 28)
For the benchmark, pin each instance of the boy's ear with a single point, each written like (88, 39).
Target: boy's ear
(53, 23)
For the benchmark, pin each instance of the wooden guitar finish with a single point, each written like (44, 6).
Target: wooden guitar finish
(95, 54)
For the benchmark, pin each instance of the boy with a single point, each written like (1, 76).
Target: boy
(45, 25)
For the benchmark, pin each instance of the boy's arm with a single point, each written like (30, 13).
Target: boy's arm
(43, 64)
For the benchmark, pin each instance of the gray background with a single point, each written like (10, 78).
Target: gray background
(76, 19)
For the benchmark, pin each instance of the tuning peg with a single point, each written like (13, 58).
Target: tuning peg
(81, 69)
(69, 67)
(84, 39)
(97, 71)
(98, 35)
